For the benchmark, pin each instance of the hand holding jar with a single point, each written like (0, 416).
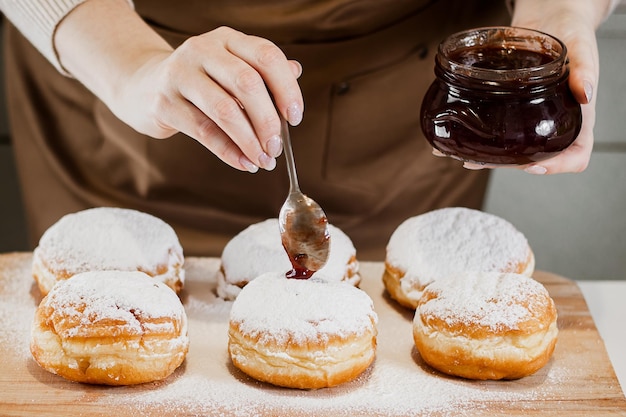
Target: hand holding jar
(501, 98)
(574, 24)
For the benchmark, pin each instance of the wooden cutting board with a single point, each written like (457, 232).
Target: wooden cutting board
(579, 379)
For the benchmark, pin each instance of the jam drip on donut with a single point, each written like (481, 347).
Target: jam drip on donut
(298, 271)
(306, 246)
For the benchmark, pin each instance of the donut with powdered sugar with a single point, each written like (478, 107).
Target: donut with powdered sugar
(486, 325)
(304, 334)
(258, 249)
(442, 242)
(108, 238)
(110, 327)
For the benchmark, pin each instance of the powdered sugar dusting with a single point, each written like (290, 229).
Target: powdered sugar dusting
(122, 296)
(493, 300)
(17, 304)
(280, 309)
(440, 242)
(108, 238)
(397, 384)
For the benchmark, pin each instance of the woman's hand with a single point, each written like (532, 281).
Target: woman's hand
(574, 22)
(221, 88)
(216, 89)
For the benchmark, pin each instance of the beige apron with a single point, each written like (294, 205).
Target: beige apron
(359, 150)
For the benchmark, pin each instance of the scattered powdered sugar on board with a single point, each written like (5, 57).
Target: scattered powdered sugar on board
(18, 300)
(199, 295)
(397, 384)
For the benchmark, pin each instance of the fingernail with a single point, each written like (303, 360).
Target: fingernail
(299, 68)
(437, 152)
(294, 114)
(474, 167)
(248, 165)
(274, 146)
(588, 90)
(267, 162)
(536, 170)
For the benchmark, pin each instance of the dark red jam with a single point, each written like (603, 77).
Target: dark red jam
(306, 244)
(501, 97)
(298, 271)
(497, 58)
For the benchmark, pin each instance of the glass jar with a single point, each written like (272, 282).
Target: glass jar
(501, 97)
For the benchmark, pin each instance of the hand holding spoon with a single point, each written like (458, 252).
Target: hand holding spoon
(302, 222)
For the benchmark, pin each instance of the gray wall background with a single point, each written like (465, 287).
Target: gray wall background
(576, 223)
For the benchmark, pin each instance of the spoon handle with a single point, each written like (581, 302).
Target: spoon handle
(291, 164)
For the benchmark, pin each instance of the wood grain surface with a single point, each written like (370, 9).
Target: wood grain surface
(579, 379)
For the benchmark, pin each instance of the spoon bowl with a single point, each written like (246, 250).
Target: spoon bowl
(302, 222)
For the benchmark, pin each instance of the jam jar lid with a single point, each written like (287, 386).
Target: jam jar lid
(507, 39)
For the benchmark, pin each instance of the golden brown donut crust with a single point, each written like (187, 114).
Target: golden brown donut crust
(304, 334)
(392, 280)
(68, 341)
(474, 351)
(301, 366)
(392, 283)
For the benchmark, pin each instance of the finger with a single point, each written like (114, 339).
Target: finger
(296, 68)
(467, 165)
(208, 89)
(576, 157)
(195, 124)
(475, 167)
(247, 87)
(583, 82)
(276, 71)
(227, 113)
(216, 102)
(583, 58)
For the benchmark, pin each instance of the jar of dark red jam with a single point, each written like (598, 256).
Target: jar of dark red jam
(501, 97)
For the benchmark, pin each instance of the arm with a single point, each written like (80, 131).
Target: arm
(575, 23)
(219, 88)
(37, 20)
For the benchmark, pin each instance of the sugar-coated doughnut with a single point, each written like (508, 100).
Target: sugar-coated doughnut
(303, 334)
(108, 238)
(258, 249)
(435, 244)
(486, 325)
(110, 327)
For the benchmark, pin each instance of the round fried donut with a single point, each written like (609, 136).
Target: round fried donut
(433, 245)
(258, 249)
(486, 325)
(110, 327)
(303, 334)
(108, 238)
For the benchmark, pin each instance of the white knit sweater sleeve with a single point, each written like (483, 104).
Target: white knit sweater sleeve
(37, 20)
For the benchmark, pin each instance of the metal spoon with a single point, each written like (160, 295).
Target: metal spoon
(302, 222)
